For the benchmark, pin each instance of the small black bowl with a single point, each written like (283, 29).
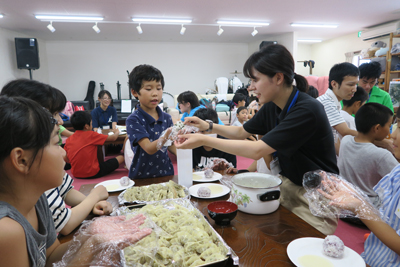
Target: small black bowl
(222, 212)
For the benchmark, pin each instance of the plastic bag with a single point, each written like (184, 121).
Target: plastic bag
(329, 195)
(171, 134)
(99, 242)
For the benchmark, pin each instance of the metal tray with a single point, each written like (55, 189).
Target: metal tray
(123, 201)
(169, 204)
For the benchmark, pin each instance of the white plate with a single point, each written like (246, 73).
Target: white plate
(217, 190)
(114, 185)
(216, 177)
(313, 246)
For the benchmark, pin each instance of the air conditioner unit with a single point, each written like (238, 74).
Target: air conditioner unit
(380, 31)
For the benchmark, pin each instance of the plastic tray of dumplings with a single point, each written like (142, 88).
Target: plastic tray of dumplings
(153, 192)
(181, 237)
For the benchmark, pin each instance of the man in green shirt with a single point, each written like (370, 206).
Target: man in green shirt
(369, 74)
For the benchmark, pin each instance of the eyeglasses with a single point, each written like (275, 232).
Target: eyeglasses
(106, 99)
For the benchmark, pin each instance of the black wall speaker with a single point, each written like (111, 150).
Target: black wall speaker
(267, 43)
(27, 53)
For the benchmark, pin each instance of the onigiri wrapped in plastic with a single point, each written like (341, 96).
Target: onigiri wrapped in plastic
(333, 246)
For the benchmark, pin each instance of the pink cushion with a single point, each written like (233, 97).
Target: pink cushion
(321, 83)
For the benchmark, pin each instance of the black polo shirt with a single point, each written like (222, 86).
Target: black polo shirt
(302, 137)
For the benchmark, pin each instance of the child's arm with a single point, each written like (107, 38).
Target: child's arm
(67, 133)
(82, 206)
(114, 136)
(151, 147)
(114, 125)
(172, 149)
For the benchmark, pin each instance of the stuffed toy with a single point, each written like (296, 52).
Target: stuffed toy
(395, 49)
(379, 44)
(371, 51)
(382, 51)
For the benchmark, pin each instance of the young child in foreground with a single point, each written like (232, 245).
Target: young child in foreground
(65, 219)
(81, 148)
(146, 124)
(350, 107)
(382, 247)
(361, 162)
(31, 162)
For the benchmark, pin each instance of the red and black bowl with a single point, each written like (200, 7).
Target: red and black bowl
(222, 212)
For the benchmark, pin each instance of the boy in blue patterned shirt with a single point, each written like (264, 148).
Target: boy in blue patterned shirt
(146, 124)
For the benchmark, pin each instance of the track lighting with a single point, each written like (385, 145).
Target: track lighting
(95, 28)
(50, 27)
(242, 23)
(161, 21)
(220, 31)
(67, 18)
(254, 32)
(139, 29)
(183, 29)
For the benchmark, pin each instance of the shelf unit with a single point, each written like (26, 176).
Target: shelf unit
(389, 56)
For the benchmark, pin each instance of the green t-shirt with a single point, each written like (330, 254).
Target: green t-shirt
(62, 128)
(377, 95)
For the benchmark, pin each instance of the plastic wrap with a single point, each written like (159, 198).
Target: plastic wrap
(154, 192)
(99, 242)
(181, 237)
(329, 195)
(168, 136)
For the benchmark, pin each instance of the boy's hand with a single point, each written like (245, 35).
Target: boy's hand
(100, 192)
(220, 166)
(231, 170)
(102, 208)
(115, 131)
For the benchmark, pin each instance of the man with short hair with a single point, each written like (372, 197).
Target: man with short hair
(369, 74)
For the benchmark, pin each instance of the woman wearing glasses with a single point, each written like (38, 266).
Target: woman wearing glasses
(104, 116)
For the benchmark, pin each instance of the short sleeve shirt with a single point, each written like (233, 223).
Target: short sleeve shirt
(332, 108)
(81, 148)
(102, 117)
(377, 95)
(141, 125)
(302, 137)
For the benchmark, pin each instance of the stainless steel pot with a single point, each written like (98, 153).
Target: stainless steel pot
(256, 193)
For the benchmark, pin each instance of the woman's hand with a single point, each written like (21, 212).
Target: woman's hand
(189, 141)
(199, 123)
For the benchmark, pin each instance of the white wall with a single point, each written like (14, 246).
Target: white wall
(330, 52)
(185, 66)
(8, 66)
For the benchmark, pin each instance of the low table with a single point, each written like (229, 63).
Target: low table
(258, 240)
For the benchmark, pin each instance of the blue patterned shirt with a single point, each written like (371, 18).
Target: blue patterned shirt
(141, 125)
(375, 252)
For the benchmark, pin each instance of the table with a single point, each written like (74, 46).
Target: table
(258, 240)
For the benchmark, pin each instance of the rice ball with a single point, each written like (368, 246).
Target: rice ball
(208, 173)
(124, 181)
(204, 191)
(333, 246)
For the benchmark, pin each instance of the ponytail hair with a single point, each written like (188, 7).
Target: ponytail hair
(274, 59)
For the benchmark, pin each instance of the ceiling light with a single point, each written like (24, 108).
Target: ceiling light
(71, 18)
(220, 31)
(1, 16)
(139, 29)
(183, 29)
(309, 40)
(254, 32)
(242, 23)
(155, 21)
(50, 27)
(95, 28)
(313, 25)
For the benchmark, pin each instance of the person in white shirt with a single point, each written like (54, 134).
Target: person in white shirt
(343, 79)
(350, 107)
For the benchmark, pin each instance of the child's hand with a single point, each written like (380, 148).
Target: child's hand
(102, 208)
(220, 166)
(231, 170)
(115, 131)
(100, 192)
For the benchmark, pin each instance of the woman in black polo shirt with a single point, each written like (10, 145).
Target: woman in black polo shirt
(295, 128)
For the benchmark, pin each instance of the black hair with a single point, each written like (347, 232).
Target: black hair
(359, 95)
(189, 97)
(274, 59)
(370, 115)
(312, 91)
(370, 70)
(142, 73)
(25, 124)
(103, 92)
(207, 114)
(240, 109)
(79, 119)
(341, 70)
(238, 97)
(47, 96)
